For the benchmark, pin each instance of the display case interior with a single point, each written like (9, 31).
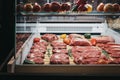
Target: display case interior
(67, 36)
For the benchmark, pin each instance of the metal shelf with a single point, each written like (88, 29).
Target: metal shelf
(94, 13)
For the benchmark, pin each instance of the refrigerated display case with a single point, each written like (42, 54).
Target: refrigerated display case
(31, 25)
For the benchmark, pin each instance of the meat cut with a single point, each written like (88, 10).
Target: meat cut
(88, 55)
(79, 42)
(59, 59)
(104, 39)
(58, 45)
(71, 36)
(113, 50)
(61, 51)
(49, 37)
(36, 54)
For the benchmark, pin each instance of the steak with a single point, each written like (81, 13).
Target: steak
(58, 45)
(79, 42)
(104, 39)
(60, 51)
(38, 50)
(71, 36)
(112, 49)
(38, 46)
(49, 37)
(59, 59)
(88, 55)
(85, 49)
(33, 55)
(80, 60)
(41, 43)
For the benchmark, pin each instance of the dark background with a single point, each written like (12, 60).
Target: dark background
(7, 31)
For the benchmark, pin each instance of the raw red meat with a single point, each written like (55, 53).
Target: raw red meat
(38, 46)
(33, 55)
(84, 48)
(115, 54)
(114, 61)
(40, 50)
(59, 59)
(88, 55)
(104, 39)
(86, 51)
(79, 42)
(41, 43)
(37, 60)
(58, 45)
(61, 51)
(80, 60)
(71, 36)
(112, 49)
(49, 37)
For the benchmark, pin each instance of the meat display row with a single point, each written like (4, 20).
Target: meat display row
(20, 39)
(52, 49)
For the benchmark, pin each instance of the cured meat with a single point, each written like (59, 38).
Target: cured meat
(33, 55)
(79, 42)
(104, 39)
(61, 51)
(49, 37)
(59, 59)
(55, 6)
(37, 60)
(75, 36)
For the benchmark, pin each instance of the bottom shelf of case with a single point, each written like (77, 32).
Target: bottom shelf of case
(106, 69)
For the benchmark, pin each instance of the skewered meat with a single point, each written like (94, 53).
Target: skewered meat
(59, 59)
(49, 37)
